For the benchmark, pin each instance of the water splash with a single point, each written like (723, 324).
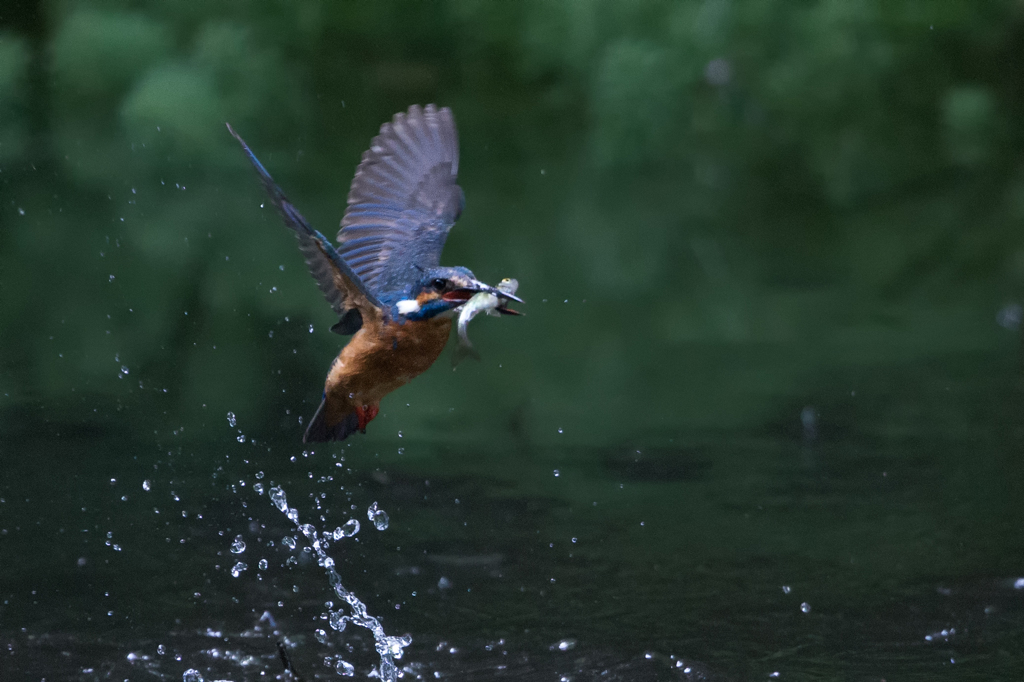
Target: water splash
(238, 545)
(390, 649)
(350, 528)
(279, 499)
(378, 516)
(343, 667)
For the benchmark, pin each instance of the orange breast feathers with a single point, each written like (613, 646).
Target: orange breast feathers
(383, 356)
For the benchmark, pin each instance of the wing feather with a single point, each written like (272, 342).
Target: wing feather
(403, 200)
(340, 285)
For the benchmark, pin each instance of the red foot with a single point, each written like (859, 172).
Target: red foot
(366, 413)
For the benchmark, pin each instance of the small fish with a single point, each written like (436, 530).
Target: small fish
(481, 302)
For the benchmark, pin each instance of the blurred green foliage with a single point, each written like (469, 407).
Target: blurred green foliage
(14, 60)
(719, 210)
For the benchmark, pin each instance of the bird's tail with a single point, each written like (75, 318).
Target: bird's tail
(320, 431)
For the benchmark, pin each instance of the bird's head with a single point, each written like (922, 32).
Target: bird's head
(441, 290)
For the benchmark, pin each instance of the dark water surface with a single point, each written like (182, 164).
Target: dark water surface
(865, 556)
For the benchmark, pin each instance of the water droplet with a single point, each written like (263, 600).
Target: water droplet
(161, 649)
(344, 668)
(567, 644)
(258, 487)
(805, 607)
(310, 329)
(241, 438)
(378, 516)
(231, 419)
(289, 541)
(557, 473)
(263, 564)
(786, 589)
(238, 546)
(111, 278)
(146, 485)
(279, 499)
(191, 675)
(338, 621)
(238, 568)
(321, 635)
(560, 429)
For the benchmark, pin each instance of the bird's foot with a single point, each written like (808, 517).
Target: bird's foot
(366, 413)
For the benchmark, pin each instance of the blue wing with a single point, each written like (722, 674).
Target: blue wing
(343, 289)
(403, 201)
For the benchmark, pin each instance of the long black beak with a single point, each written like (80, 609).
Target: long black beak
(504, 294)
(463, 294)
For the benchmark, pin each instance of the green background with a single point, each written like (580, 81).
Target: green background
(719, 211)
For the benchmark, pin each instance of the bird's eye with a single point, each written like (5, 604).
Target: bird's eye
(439, 284)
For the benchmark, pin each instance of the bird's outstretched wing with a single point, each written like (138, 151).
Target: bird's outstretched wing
(342, 287)
(403, 200)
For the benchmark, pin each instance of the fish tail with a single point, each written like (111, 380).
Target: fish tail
(463, 351)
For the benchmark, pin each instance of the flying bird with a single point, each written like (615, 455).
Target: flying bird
(385, 280)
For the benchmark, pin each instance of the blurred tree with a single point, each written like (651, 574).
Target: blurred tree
(809, 185)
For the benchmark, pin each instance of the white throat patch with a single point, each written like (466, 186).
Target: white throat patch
(407, 306)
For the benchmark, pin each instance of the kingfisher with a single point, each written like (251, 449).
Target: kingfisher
(385, 280)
